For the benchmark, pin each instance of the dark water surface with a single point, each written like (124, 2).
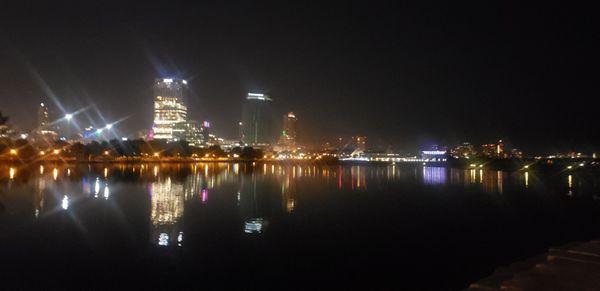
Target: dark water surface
(219, 225)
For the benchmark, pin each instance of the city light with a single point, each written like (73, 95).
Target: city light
(254, 225)
(163, 239)
(69, 116)
(65, 202)
(258, 96)
(433, 153)
(56, 152)
(13, 152)
(109, 126)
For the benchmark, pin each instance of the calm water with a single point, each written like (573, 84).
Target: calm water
(213, 225)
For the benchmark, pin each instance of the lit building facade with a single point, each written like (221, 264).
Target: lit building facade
(169, 108)
(190, 132)
(257, 120)
(205, 132)
(435, 154)
(289, 132)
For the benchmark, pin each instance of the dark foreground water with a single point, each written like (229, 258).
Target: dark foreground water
(216, 226)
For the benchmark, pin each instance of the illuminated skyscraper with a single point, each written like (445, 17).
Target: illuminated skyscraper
(288, 134)
(169, 108)
(257, 120)
(44, 125)
(43, 116)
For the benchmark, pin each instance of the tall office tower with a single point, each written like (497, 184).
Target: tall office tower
(288, 134)
(45, 127)
(43, 116)
(241, 129)
(257, 120)
(169, 108)
(205, 132)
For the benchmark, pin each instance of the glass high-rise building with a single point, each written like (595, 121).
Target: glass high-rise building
(257, 120)
(169, 108)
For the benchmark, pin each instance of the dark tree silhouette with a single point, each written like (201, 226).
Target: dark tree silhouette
(3, 119)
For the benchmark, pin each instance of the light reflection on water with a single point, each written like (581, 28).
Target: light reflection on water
(171, 186)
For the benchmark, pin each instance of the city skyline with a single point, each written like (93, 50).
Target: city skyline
(408, 83)
(411, 145)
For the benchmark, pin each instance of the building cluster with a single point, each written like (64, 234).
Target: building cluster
(257, 128)
(490, 150)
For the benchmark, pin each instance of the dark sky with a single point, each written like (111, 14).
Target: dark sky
(401, 73)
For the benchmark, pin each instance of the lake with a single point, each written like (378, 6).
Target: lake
(261, 225)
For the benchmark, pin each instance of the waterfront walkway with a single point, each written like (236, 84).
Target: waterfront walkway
(572, 267)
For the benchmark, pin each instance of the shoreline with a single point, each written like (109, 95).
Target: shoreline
(572, 266)
(558, 165)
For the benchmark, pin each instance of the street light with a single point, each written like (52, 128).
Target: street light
(13, 152)
(69, 116)
(109, 126)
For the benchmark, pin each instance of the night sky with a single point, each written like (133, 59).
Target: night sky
(403, 74)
